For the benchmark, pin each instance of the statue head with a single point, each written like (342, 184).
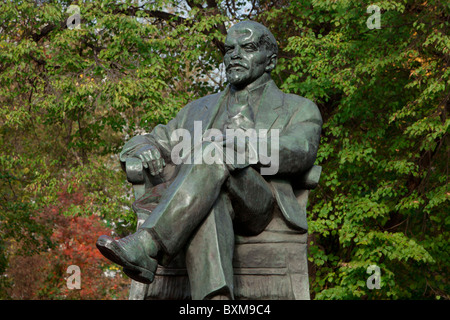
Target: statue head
(250, 52)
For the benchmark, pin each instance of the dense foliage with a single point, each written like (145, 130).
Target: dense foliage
(71, 95)
(384, 93)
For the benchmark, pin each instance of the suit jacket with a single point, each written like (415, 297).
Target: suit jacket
(298, 120)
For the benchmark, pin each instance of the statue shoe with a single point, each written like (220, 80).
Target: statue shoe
(135, 253)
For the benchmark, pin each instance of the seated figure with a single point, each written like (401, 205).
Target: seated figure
(219, 180)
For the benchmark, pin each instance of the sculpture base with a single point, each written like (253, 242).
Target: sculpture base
(271, 266)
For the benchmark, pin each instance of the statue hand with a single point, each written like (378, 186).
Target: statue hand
(152, 159)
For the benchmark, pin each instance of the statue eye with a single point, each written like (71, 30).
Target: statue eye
(250, 47)
(228, 49)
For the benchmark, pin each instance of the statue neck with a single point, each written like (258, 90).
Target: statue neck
(255, 84)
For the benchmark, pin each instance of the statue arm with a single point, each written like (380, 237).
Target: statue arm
(159, 139)
(299, 140)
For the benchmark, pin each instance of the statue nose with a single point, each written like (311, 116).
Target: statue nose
(236, 53)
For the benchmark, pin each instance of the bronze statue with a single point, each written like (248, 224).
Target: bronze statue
(203, 205)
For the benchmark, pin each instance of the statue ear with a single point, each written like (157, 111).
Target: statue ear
(272, 63)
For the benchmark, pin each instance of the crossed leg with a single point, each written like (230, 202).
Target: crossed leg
(195, 213)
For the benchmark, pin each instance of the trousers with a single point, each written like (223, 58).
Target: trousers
(200, 212)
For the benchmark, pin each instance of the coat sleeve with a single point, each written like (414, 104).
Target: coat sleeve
(160, 137)
(299, 140)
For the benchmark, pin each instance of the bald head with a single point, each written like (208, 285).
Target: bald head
(250, 53)
(266, 37)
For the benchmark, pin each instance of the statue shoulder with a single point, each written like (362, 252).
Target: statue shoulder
(205, 100)
(302, 106)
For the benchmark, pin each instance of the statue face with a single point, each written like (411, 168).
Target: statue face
(245, 60)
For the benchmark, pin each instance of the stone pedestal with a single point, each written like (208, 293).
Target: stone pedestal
(270, 266)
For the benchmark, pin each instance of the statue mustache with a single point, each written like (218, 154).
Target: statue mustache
(236, 64)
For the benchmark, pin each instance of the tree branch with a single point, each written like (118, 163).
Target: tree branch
(177, 19)
(47, 29)
(131, 11)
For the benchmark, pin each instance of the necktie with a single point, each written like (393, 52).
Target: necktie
(240, 116)
(239, 111)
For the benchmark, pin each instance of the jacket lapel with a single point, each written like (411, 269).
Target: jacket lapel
(270, 108)
(212, 108)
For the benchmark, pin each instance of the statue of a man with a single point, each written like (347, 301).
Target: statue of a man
(207, 202)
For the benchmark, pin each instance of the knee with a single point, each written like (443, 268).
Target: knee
(210, 156)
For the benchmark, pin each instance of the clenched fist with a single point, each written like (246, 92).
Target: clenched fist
(152, 159)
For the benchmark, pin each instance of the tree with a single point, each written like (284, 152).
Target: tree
(70, 97)
(383, 196)
(46, 275)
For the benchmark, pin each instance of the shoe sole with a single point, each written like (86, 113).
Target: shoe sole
(140, 275)
(109, 249)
